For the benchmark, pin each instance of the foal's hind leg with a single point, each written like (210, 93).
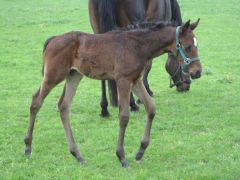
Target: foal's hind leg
(72, 81)
(124, 87)
(37, 101)
(145, 80)
(142, 94)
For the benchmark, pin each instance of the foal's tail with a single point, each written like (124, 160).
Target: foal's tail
(44, 48)
(106, 11)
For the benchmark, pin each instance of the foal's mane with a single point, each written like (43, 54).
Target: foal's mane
(147, 26)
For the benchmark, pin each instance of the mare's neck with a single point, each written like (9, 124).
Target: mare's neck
(159, 42)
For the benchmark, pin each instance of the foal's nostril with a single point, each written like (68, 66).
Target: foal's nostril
(196, 74)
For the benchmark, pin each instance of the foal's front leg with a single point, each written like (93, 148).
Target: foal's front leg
(140, 91)
(124, 87)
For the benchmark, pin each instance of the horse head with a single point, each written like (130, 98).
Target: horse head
(177, 78)
(186, 50)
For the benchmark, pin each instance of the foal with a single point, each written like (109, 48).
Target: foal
(119, 55)
(105, 15)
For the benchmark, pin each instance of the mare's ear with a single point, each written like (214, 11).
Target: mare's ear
(194, 25)
(185, 26)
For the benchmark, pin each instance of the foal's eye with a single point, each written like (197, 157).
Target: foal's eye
(188, 48)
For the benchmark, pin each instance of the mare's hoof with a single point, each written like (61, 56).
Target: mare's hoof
(104, 114)
(134, 108)
(124, 164)
(150, 93)
(139, 156)
(139, 101)
(28, 152)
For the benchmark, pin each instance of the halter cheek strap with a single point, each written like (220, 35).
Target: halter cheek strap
(180, 51)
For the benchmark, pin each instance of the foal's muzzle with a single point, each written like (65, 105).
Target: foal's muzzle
(196, 74)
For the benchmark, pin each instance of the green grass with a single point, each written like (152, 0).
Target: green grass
(195, 135)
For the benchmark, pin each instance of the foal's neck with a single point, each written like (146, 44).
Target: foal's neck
(159, 42)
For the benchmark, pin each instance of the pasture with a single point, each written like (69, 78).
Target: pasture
(195, 135)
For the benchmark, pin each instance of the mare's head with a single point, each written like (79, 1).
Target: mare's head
(186, 50)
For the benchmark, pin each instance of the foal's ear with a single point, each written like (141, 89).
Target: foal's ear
(185, 26)
(194, 25)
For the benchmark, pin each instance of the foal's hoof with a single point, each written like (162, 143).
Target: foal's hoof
(81, 160)
(134, 108)
(104, 114)
(124, 164)
(28, 152)
(139, 156)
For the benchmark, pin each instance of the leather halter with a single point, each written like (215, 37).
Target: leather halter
(180, 51)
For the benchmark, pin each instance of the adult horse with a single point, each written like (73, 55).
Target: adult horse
(122, 56)
(105, 15)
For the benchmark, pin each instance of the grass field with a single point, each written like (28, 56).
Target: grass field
(195, 135)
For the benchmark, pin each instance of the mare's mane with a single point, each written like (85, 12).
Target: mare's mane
(147, 26)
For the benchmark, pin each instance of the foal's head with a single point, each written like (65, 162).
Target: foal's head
(177, 78)
(186, 50)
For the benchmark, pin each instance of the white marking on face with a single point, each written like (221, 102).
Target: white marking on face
(195, 42)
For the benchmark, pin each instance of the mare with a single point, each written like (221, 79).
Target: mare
(105, 15)
(122, 56)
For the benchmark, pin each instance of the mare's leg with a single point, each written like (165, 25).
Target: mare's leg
(140, 91)
(72, 81)
(104, 102)
(145, 80)
(133, 105)
(124, 87)
(37, 101)
(113, 95)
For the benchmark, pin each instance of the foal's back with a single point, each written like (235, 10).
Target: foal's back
(99, 56)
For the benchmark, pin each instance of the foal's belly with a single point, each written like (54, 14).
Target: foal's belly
(97, 74)
(94, 73)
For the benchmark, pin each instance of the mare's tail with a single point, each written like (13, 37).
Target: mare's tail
(106, 11)
(44, 48)
(176, 13)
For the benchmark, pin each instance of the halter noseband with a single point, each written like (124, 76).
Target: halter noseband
(180, 51)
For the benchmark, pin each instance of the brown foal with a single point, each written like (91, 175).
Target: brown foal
(118, 55)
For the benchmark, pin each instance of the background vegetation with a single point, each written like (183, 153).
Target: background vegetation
(195, 135)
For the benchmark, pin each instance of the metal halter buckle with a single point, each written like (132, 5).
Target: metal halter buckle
(187, 60)
(178, 46)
